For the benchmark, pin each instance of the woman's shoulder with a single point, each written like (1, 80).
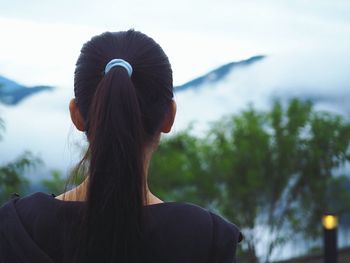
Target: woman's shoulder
(37, 212)
(37, 209)
(226, 236)
(183, 217)
(186, 225)
(181, 214)
(35, 199)
(41, 201)
(194, 214)
(37, 205)
(28, 203)
(176, 227)
(22, 225)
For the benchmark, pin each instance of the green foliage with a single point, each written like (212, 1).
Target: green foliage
(55, 184)
(11, 176)
(187, 178)
(261, 169)
(12, 179)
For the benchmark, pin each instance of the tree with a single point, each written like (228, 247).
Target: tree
(270, 172)
(11, 176)
(12, 179)
(55, 184)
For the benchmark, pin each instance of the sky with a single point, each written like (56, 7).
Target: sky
(307, 44)
(40, 40)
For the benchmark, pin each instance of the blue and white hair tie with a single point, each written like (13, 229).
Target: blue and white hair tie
(118, 62)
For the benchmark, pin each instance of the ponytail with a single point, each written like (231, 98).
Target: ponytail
(112, 225)
(122, 115)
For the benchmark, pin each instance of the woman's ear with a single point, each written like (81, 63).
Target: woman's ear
(169, 118)
(76, 116)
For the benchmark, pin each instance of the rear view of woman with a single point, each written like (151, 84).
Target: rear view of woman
(123, 102)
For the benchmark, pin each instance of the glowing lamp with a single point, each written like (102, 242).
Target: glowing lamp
(329, 221)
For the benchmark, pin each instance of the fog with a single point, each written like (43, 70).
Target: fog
(41, 123)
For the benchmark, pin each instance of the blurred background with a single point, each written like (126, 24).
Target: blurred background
(262, 131)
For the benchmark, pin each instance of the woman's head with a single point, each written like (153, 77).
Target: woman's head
(151, 77)
(120, 114)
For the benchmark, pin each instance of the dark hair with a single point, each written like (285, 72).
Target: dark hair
(122, 115)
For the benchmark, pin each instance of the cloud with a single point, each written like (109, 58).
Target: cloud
(197, 35)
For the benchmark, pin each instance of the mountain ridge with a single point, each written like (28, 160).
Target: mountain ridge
(12, 93)
(218, 73)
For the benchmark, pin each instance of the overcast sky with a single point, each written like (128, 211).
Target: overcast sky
(308, 42)
(40, 40)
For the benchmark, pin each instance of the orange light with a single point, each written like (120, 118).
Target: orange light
(329, 221)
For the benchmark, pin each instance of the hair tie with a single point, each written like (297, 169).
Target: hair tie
(118, 62)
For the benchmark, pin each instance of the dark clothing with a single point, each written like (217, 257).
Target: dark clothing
(34, 229)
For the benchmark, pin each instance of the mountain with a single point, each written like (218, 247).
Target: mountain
(218, 74)
(11, 93)
(41, 123)
(259, 80)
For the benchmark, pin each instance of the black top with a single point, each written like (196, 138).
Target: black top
(34, 229)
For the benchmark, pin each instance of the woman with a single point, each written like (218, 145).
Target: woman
(123, 102)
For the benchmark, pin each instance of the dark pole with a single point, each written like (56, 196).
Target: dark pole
(330, 223)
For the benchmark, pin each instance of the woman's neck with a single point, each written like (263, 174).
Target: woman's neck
(79, 193)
